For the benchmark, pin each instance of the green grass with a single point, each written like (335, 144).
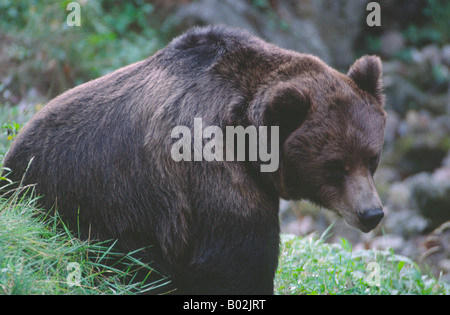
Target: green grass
(310, 266)
(12, 118)
(39, 256)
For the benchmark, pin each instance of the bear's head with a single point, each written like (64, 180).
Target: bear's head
(331, 137)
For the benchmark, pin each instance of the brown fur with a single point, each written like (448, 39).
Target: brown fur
(102, 152)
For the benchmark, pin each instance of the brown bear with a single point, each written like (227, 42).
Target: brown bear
(101, 152)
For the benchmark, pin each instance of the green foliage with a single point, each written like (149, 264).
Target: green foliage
(434, 28)
(418, 36)
(439, 13)
(273, 19)
(437, 28)
(12, 129)
(12, 119)
(310, 266)
(261, 4)
(38, 255)
(112, 34)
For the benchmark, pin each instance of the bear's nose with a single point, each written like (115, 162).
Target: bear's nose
(371, 217)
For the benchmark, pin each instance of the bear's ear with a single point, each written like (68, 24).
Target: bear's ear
(366, 73)
(288, 107)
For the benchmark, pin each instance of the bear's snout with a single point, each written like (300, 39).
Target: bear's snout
(371, 217)
(360, 204)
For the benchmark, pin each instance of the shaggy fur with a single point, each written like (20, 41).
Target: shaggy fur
(102, 154)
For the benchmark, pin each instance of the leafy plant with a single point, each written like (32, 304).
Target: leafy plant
(439, 13)
(436, 28)
(311, 266)
(12, 129)
(38, 255)
(112, 34)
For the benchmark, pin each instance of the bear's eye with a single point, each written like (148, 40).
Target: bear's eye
(337, 170)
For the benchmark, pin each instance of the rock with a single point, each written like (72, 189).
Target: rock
(392, 125)
(432, 54)
(384, 177)
(424, 155)
(391, 43)
(431, 194)
(446, 161)
(391, 134)
(417, 204)
(335, 18)
(422, 83)
(401, 93)
(417, 121)
(399, 196)
(307, 26)
(422, 142)
(446, 55)
(298, 34)
(435, 251)
(402, 216)
(428, 71)
(231, 12)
